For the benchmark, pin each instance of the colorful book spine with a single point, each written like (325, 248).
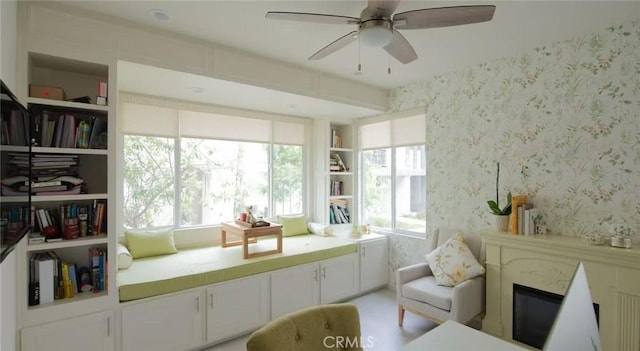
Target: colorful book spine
(516, 200)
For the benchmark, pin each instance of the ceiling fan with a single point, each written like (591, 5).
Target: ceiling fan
(378, 26)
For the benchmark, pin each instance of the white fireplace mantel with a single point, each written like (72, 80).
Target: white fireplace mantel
(547, 262)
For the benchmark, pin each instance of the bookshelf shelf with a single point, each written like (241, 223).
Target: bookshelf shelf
(58, 198)
(66, 150)
(14, 148)
(76, 298)
(67, 104)
(338, 197)
(83, 241)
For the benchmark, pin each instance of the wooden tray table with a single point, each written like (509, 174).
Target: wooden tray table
(250, 236)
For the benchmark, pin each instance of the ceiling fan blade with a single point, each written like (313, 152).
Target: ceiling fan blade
(312, 17)
(443, 16)
(335, 46)
(400, 48)
(386, 7)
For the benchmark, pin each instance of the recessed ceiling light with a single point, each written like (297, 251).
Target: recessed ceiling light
(160, 15)
(197, 90)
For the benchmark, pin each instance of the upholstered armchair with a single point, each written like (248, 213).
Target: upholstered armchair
(324, 327)
(419, 293)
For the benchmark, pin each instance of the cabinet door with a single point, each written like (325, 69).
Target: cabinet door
(91, 332)
(340, 278)
(373, 264)
(169, 323)
(294, 288)
(236, 307)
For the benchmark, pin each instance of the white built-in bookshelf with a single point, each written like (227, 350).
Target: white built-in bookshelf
(84, 231)
(341, 166)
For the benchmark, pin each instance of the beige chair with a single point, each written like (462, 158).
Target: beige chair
(417, 291)
(324, 327)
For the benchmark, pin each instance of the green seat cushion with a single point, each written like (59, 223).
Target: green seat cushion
(190, 268)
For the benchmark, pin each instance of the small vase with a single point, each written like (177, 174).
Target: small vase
(502, 223)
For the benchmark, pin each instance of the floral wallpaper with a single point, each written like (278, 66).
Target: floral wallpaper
(563, 120)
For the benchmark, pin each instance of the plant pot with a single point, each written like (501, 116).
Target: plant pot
(501, 222)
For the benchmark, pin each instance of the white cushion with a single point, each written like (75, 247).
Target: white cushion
(452, 263)
(320, 229)
(124, 258)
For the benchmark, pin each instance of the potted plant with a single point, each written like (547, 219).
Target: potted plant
(502, 214)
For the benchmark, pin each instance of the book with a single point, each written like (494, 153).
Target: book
(98, 136)
(46, 271)
(516, 200)
(339, 162)
(58, 133)
(74, 277)
(34, 285)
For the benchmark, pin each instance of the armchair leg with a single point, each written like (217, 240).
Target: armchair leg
(400, 315)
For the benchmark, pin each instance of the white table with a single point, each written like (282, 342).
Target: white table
(453, 336)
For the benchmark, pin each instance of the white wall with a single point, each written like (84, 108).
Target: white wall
(564, 122)
(8, 38)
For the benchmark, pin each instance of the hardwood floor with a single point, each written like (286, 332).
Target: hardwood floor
(378, 323)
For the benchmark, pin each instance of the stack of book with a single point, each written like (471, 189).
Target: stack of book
(336, 164)
(13, 221)
(339, 212)
(524, 216)
(51, 174)
(50, 278)
(14, 129)
(336, 141)
(335, 188)
(69, 130)
(71, 221)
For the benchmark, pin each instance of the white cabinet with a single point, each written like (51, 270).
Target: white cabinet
(374, 268)
(294, 288)
(236, 307)
(307, 285)
(90, 332)
(339, 278)
(169, 323)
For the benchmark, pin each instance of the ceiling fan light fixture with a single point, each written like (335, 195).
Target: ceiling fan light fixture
(376, 32)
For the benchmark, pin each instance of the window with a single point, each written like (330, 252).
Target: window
(197, 176)
(394, 189)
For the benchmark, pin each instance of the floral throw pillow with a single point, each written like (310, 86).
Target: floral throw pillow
(452, 263)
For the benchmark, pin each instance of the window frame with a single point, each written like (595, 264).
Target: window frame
(392, 142)
(303, 123)
(393, 176)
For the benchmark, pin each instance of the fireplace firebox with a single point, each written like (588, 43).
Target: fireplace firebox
(534, 311)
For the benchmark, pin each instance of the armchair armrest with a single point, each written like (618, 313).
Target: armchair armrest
(413, 272)
(468, 299)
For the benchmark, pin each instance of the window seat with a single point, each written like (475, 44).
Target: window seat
(191, 268)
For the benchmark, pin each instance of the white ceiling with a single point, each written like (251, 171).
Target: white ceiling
(517, 26)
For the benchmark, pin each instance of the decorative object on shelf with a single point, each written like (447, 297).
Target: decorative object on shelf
(501, 215)
(621, 236)
(247, 219)
(356, 232)
(594, 239)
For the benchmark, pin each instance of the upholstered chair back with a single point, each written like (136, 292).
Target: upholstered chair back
(324, 327)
